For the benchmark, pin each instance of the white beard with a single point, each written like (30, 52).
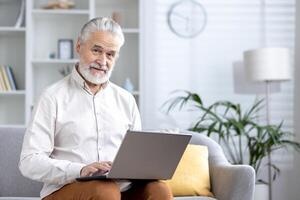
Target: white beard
(95, 79)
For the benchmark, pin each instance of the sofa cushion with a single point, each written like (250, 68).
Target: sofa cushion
(191, 177)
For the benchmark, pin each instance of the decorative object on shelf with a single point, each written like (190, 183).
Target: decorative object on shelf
(128, 85)
(21, 17)
(187, 18)
(117, 17)
(268, 65)
(52, 55)
(59, 4)
(244, 139)
(65, 48)
(65, 70)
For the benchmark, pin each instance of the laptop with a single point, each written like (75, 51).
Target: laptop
(146, 155)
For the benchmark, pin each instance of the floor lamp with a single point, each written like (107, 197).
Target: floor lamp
(268, 65)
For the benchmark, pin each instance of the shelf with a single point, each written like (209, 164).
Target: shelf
(13, 92)
(54, 61)
(60, 12)
(12, 126)
(8, 30)
(131, 30)
(114, 3)
(12, 29)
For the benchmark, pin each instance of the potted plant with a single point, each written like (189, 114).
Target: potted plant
(243, 138)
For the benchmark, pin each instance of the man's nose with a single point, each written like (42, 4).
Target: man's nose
(101, 59)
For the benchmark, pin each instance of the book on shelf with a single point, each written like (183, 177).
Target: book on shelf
(11, 77)
(2, 85)
(7, 79)
(2, 74)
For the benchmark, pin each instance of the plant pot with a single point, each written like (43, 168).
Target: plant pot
(261, 192)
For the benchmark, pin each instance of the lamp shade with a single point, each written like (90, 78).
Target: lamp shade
(268, 64)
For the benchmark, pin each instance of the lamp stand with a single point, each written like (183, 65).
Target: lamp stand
(268, 83)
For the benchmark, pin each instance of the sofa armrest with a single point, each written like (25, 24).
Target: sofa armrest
(233, 182)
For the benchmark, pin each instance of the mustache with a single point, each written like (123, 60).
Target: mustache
(98, 66)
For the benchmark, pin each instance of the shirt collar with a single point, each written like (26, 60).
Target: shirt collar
(79, 80)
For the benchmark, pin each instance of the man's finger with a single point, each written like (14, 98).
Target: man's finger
(101, 166)
(109, 162)
(89, 170)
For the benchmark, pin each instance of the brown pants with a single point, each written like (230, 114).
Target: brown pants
(109, 190)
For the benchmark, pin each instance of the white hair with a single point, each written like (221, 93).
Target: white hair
(101, 24)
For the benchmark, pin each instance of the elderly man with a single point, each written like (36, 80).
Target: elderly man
(79, 123)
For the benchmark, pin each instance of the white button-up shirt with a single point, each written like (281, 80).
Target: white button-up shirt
(71, 128)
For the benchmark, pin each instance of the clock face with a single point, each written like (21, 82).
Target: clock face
(187, 18)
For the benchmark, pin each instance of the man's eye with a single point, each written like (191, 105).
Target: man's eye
(110, 55)
(95, 50)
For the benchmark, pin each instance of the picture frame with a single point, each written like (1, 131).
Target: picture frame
(65, 49)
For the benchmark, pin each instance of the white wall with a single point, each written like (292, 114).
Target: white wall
(291, 180)
(288, 185)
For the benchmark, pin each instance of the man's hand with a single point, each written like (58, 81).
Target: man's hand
(96, 167)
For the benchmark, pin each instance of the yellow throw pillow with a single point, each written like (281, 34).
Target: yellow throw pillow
(191, 177)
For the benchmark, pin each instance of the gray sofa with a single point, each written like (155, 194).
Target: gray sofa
(228, 182)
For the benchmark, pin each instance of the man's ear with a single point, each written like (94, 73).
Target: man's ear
(78, 46)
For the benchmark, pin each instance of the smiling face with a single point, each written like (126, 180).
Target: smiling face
(97, 56)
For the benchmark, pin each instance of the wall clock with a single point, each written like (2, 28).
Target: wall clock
(187, 18)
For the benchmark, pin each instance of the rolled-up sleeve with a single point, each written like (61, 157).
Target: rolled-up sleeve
(35, 159)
